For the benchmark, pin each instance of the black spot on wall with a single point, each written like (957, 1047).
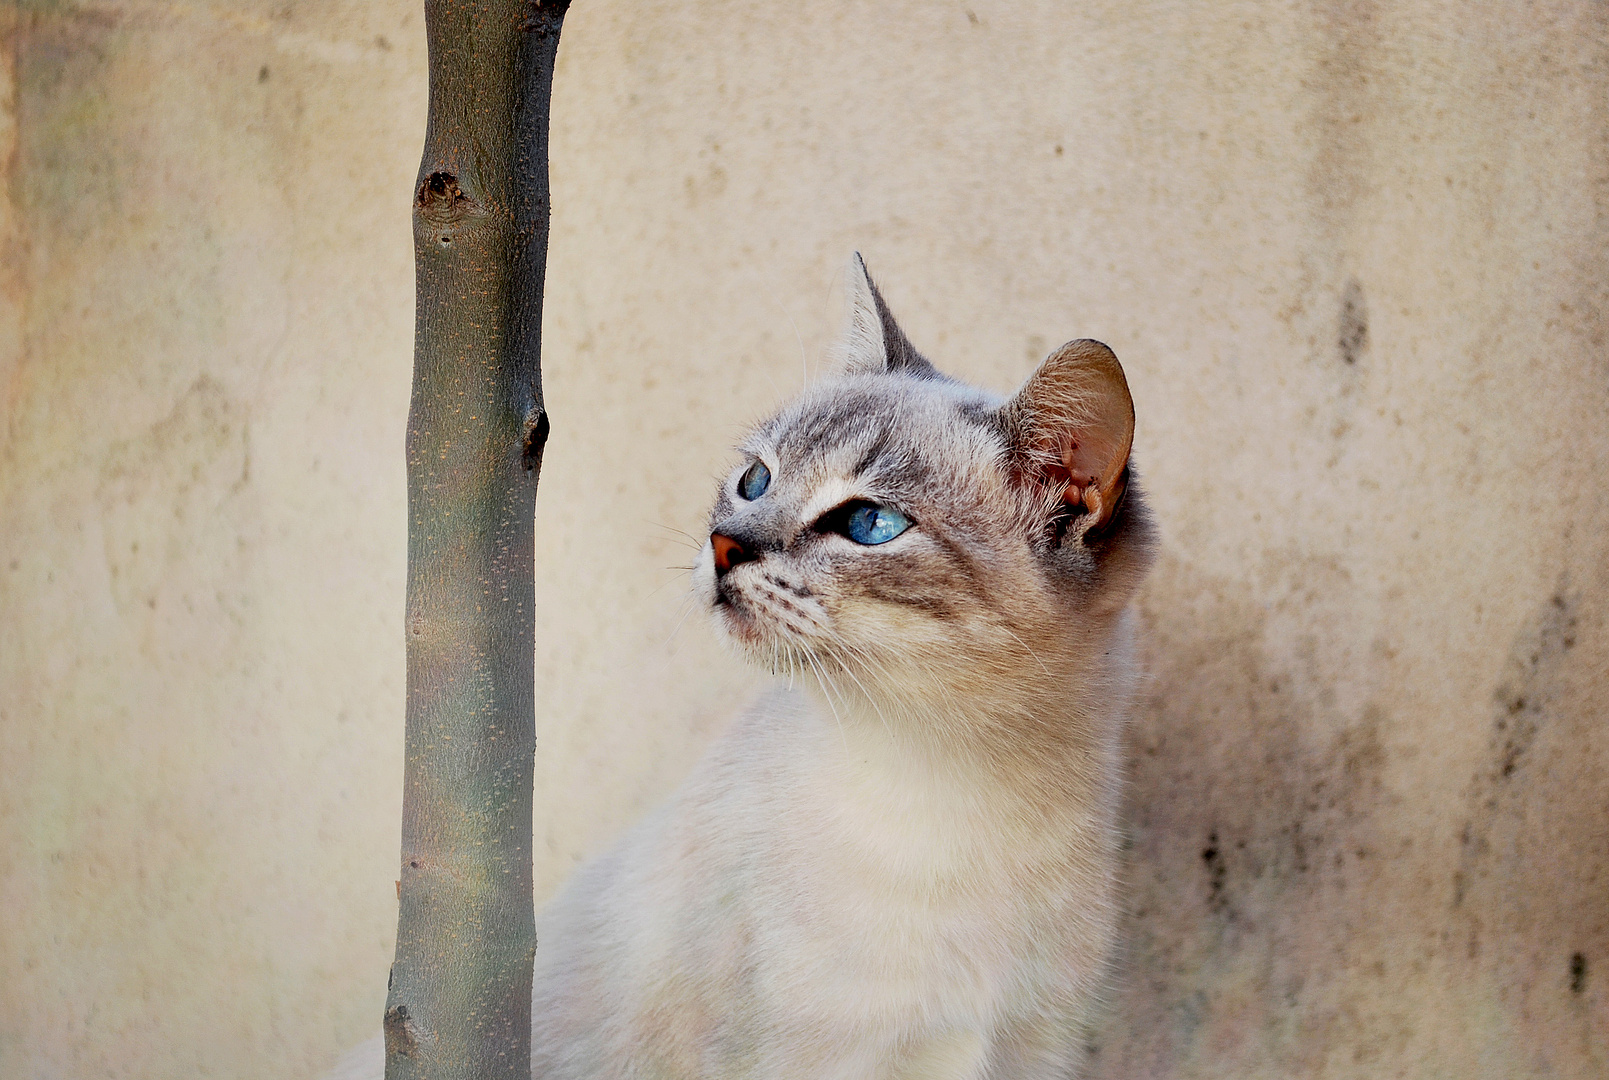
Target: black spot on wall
(1217, 871)
(1578, 973)
(1352, 329)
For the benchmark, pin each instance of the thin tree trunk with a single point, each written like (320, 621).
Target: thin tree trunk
(460, 998)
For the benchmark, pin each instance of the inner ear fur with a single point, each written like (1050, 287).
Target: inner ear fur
(1071, 427)
(873, 341)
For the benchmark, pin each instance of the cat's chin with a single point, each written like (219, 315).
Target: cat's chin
(742, 627)
(753, 636)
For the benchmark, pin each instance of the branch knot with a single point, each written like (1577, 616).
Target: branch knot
(536, 438)
(441, 201)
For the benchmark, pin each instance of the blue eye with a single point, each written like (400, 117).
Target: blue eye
(875, 524)
(752, 484)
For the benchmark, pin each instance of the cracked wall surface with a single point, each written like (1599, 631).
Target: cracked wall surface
(1354, 256)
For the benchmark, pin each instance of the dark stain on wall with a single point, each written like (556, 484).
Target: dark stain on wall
(1286, 909)
(1254, 808)
(1523, 705)
(1352, 329)
(1527, 903)
(1345, 84)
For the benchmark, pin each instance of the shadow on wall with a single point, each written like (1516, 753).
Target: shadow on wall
(1297, 906)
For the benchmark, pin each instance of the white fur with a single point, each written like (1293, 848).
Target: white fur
(904, 912)
(860, 346)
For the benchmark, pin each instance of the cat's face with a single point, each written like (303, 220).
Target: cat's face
(866, 517)
(898, 526)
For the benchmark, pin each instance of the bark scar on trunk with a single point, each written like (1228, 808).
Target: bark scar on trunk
(401, 1033)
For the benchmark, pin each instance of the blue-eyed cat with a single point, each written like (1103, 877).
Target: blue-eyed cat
(903, 862)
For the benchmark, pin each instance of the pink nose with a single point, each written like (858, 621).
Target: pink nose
(728, 553)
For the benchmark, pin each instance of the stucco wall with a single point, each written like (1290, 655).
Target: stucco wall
(1355, 259)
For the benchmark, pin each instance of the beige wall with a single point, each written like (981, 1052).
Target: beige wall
(1371, 773)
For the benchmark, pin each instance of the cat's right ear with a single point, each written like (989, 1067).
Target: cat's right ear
(1070, 429)
(873, 342)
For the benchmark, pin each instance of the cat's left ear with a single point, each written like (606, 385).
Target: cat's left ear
(1071, 426)
(874, 342)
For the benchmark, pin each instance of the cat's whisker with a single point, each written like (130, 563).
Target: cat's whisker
(849, 653)
(827, 685)
(657, 589)
(1029, 650)
(871, 698)
(891, 690)
(689, 602)
(892, 685)
(696, 542)
(865, 657)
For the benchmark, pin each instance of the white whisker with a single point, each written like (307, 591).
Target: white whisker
(688, 603)
(1030, 651)
(827, 686)
(693, 541)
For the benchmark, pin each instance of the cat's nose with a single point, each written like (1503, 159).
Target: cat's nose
(729, 553)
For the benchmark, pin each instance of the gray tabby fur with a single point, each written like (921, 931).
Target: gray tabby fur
(902, 861)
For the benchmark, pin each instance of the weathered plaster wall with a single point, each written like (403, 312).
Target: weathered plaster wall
(1354, 255)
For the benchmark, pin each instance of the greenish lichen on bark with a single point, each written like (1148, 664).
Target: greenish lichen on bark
(460, 998)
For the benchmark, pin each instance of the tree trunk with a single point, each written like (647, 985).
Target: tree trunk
(460, 998)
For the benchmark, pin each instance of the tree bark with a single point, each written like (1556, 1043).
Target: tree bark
(460, 996)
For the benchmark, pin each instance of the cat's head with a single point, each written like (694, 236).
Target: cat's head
(900, 528)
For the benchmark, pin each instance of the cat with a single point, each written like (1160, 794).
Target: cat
(900, 863)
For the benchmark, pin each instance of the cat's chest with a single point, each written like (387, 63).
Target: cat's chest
(907, 821)
(897, 858)
(892, 895)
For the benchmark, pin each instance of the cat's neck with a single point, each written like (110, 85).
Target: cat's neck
(1012, 724)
